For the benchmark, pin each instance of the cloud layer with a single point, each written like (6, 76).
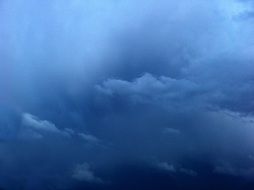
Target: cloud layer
(126, 94)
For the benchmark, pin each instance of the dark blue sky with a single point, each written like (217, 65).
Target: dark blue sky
(126, 95)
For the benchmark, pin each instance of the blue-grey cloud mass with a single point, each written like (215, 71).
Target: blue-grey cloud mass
(120, 95)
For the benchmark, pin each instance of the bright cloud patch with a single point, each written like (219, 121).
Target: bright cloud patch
(37, 128)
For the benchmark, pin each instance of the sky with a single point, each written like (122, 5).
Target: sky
(126, 95)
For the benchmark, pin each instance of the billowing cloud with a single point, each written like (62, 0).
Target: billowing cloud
(149, 94)
(148, 88)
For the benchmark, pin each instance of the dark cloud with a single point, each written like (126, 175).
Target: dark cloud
(126, 95)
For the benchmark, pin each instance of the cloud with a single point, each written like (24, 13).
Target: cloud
(144, 107)
(146, 80)
(89, 138)
(32, 121)
(147, 85)
(83, 172)
(228, 169)
(171, 168)
(166, 166)
(154, 90)
(188, 172)
(34, 127)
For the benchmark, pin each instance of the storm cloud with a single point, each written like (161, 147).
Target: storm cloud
(126, 94)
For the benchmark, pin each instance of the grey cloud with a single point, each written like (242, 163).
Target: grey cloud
(171, 42)
(205, 127)
(188, 172)
(88, 138)
(166, 166)
(83, 172)
(150, 89)
(171, 168)
(173, 81)
(228, 169)
(34, 127)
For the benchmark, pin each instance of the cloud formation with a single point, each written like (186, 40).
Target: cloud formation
(146, 94)
(83, 172)
(37, 128)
